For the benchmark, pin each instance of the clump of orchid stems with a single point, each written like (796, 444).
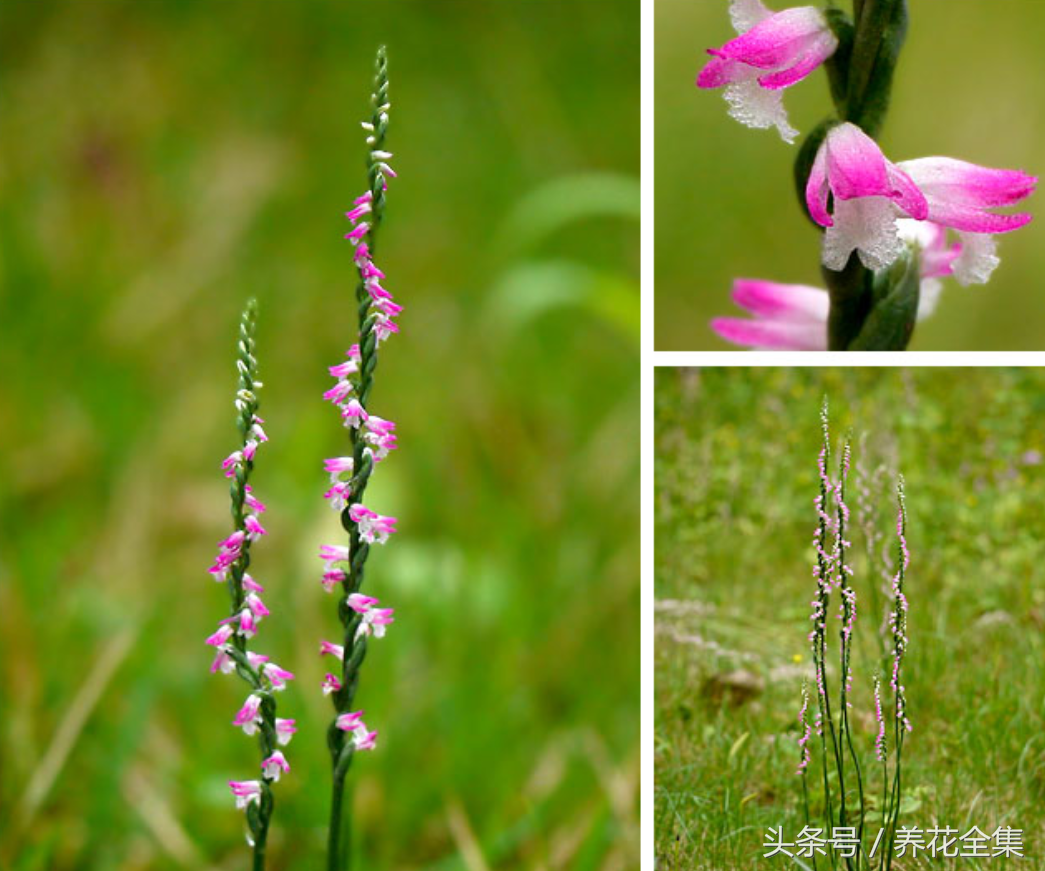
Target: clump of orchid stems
(370, 438)
(257, 716)
(832, 574)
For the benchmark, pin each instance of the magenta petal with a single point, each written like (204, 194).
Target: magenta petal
(820, 51)
(856, 166)
(791, 302)
(968, 183)
(773, 335)
(719, 72)
(973, 220)
(907, 195)
(817, 190)
(778, 41)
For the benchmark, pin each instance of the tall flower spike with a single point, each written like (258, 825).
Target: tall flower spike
(898, 620)
(806, 729)
(258, 713)
(772, 52)
(371, 438)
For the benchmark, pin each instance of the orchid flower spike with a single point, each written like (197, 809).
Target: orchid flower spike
(869, 194)
(773, 51)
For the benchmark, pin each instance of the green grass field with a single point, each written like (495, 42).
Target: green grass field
(736, 477)
(968, 83)
(164, 161)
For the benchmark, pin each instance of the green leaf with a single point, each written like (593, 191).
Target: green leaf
(547, 209)
(880, 33)
(534, 288)
(837, 66)
(737, 745)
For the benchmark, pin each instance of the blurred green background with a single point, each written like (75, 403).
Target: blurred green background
(164, 161)
(970, 84)
(736, 477)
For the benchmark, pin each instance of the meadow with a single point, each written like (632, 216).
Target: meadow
(736, 478)
(725, 199)
(164, 162)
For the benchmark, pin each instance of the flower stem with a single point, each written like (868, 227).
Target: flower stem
(355, 646)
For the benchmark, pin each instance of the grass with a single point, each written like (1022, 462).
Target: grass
(168, 160)
(736, 476)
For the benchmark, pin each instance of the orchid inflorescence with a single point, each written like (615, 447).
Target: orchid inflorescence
(257, 716)
(887, 227)
(372, 438)
(832, 573)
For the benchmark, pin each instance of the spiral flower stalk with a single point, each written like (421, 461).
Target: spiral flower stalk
(898, 626)
(257, 716)
(371, 439)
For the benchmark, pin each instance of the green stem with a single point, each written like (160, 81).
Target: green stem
(851, 302)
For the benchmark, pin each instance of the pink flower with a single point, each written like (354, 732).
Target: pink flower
(256, 606)
(337, 466)
(254, 529)
(233, 544)
(256, 660)
(772, 52)
(223, 661)
(786, 316)
(253, 503)
(793, 317)
(333, 553)
(361, 736)
(960, 196)
(353, 413)
(374, 622)
(364, 740)
(362, 207)
(373, 527)
(335, 650)
(339, 495)
(249, 715)
(246, 791)
(332, 578)
(250, 584)
(349, 722)
(380, 435)
(339, 392)
(360, 603)
(285, 730)
(250, 449)
(247, 624)
(351, 364)
(358, 232)
(274, 766)
(869, 193)
(331, 684)
(223, 634)
(277, 676)
(384, 327)
(230, 463)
